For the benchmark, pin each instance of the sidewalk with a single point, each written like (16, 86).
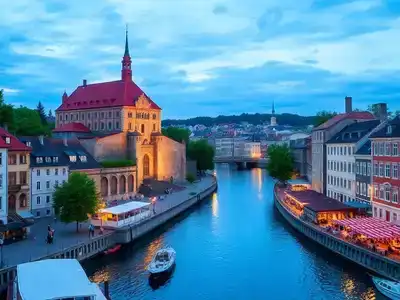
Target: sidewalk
(35, 246)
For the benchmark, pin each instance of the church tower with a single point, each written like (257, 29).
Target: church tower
(126, 72)
(273, 118)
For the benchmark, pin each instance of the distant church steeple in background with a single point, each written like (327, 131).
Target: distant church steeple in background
(273, 118)
(126, 72)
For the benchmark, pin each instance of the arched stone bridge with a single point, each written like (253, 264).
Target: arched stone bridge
(242, 161)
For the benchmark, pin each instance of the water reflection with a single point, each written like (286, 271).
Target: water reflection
(214, 204)
(152, 249)
(101, 275)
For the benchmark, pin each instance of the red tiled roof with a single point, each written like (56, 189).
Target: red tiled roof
(72, 127)
(105, 94)
(14, 145)
(357, 115)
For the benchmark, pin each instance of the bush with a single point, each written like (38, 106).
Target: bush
(120, 163)
(190, 178)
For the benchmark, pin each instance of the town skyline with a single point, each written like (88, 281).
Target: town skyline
(191, 56)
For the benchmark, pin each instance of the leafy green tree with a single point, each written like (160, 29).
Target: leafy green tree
(42, 113)
(190, 177)
(280, 165)
(177, 134)
(76, 199)
(6, 113)
(323, 116)
(202, 153)
(28, 122)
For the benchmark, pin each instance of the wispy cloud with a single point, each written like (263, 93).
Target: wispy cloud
(210, 57)
(9, 90)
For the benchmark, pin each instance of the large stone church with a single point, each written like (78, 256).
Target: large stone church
(117, 120)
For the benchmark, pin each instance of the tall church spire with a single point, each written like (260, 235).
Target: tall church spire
(273, 107)
(273, 118)
(126, 72)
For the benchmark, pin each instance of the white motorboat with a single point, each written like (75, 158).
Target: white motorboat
(53, 279)
(390, 289)
(163, 261)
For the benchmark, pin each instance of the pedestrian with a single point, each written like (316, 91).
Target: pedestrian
(101, 230)
(154, 209)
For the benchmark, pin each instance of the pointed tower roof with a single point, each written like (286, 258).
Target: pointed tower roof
(126, 42)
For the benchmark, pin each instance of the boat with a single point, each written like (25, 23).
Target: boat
(389, 288)
(53, 279)
(112, 250)
(162, 262)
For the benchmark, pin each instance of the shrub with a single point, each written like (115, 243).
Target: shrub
(190, 178)
(120, 163)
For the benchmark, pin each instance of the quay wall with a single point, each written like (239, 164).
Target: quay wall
(125, 235)
(372, 261)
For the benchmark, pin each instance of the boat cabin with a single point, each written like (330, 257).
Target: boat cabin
(53, 279)
(122, 215)
(299, 185)
(317, 208)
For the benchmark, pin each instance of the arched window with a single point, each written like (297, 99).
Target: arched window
(104, 186)
(142, 128)
(131, 184)
(122, 185)
(114, 185)
(146, 166)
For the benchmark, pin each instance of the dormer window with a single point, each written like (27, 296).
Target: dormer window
(39, 160)
(8, 140)
(28, 144)
(389, 130)
(48, 159)
(72, 158)
(82, 158)
(55, 159)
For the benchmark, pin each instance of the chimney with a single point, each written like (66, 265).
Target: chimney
(348, 104)
(65, 140)
(381, 111)
(41, 137)
(84, 82)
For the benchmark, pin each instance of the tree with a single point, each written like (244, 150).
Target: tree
(280, 165)
(190, 177)
(76, 199)
(177, 134)
(6, 113)
(42, 113)
(50, 115)
(323, 116)
(202, 153)
(28, 122)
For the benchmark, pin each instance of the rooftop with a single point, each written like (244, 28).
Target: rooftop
(123, 208)
(53, 147)
(7, 140)
(318, 202)
(392, 129)
(356, 115)
(365, 149)
(55, 279)
(354, 132)
(72, 127)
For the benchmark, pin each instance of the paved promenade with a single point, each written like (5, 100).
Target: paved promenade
(35, 246)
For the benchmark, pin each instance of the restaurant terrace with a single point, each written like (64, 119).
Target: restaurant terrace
(316, 207)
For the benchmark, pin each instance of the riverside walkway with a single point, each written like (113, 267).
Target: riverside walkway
(35, 247)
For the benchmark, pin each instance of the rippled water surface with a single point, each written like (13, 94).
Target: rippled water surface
(234, 246)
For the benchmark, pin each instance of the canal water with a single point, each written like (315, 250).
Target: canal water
(234, 246)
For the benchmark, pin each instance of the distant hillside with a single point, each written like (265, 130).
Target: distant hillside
(255, 119)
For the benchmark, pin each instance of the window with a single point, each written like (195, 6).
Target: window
(395, 149)
(345, 151)
(376, 191)
(56, 183)
(38, 200)
(341, 166)
(83, 158)
(349, 184)
(142, 128)
(388, 149)
(72, 158)
(369, 190)
(102, 125)
(387, 170)
(376, 169)
(358, 168)
(47, 172)
(381, 169)
(64, 171)
(395, 171)
(381, 149)
(55, 159)
(37, 172)
(22, 159)
(368, 169)
(354, 167)
(129, 115)
(12, 159)
(1, 159)
(47, 184)
(349, 167)
(116, 125)
(56, 172)
(22, 177)
(349, 150)
(8, 140)
(48, 212)
(110, 114)
(47, 199)
(344, 167)
(358, 187)
(154, 127)
(39, 160)
(387, 193)
(375, 148)
(394, 217)
(109, 125)
(130, 126)
(38, 185)
(48, 159)
(1, 181)
(395, 196)
(381, 193)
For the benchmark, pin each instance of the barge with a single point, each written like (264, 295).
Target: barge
(372, 261)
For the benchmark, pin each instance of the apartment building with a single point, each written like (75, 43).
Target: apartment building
(298, 147)
(341, 163)
(325, 132)
(386, 177)
(3, 180)
(363, 160)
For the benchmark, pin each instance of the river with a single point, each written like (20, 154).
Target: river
(234, 245)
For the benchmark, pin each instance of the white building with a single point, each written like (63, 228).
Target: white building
(44, 179)
(341, 162)
(252, 149)
(3, 185)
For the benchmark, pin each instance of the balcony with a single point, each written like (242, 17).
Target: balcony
(14, 188)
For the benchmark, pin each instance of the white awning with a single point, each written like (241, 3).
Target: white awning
(124, 208)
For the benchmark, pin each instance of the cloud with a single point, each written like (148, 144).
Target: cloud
(210, 57)
(9, 90)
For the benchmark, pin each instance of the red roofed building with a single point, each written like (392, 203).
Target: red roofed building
(15, 157)
(325, 132)
(117, 120)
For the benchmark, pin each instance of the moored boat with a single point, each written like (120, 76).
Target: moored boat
(53, 279)
(112, 250)
(162, 262)
(389, 288)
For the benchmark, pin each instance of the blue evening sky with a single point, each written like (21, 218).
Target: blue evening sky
(206, 57)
